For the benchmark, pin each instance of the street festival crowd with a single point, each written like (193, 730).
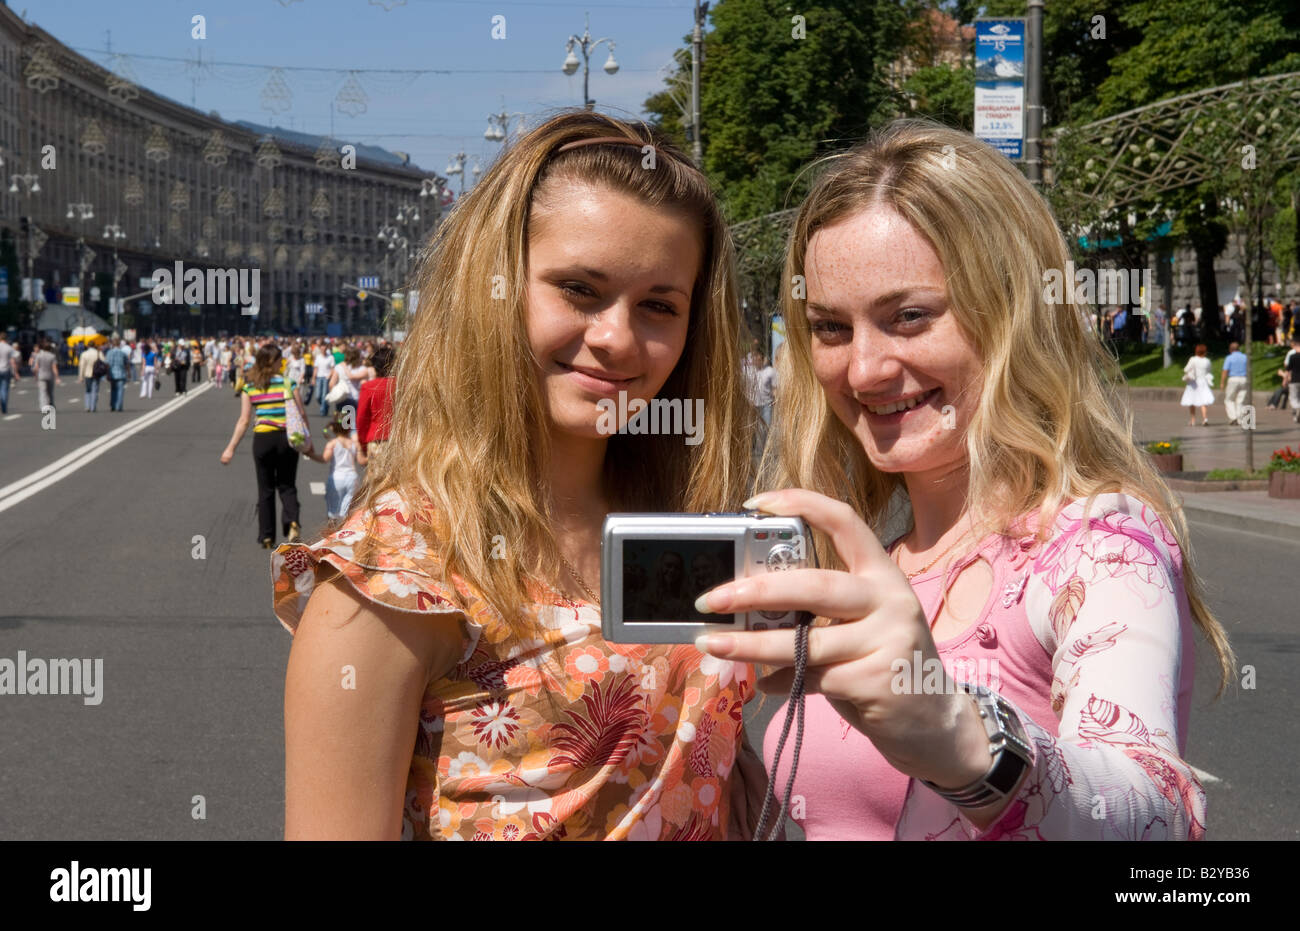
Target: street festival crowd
(535, 726)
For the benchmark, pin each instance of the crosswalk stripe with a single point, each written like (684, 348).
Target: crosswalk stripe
(318, 488)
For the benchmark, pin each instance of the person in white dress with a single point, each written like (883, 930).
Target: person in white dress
(340, 453)
(1200, 382)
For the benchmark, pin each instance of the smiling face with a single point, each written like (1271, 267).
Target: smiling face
(886, 346)
(609, 299)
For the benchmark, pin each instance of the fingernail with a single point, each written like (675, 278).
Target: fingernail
(714, 644)
(755, 503)
(716, 601)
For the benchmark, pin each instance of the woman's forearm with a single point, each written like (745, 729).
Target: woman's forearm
(238, 435)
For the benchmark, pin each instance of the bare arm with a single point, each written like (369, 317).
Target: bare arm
(245, 415)
(357, 674)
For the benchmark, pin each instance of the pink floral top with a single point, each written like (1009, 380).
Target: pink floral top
(629, 742)
(1089, 637)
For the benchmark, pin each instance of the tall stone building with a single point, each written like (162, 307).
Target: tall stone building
(97, 168)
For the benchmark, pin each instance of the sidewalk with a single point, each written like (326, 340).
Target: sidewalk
(1157, 416)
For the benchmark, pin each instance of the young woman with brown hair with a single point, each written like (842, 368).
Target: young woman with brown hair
(590, 261)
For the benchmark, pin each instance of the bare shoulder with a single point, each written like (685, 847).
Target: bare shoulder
(339, 620)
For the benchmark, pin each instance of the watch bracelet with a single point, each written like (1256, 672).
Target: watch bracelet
(1004, 746)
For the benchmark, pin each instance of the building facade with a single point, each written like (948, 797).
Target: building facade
(105, 182)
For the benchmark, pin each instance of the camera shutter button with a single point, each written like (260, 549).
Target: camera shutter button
(781, 558)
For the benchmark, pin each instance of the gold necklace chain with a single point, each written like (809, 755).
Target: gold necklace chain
(926, 568)
(591, 596)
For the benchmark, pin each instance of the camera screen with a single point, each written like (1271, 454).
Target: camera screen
(662, 578)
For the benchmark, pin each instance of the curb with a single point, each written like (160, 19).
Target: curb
(1258, 398)
(1221, 517)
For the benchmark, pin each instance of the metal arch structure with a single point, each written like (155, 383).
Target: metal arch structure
(1129, 158)
(1176, 143)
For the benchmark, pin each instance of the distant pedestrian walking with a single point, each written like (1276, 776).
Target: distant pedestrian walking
(1200, 383)
(265, 394)
(119, 370)
(340, 454)
(45, 365)
(10, 358)
(91, 371)
(149, 355)
(1292, 378)
(180, 365)
(1235, 394)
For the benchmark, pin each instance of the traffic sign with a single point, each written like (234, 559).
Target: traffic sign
(361, 295)
(368, 281)
(314, 308)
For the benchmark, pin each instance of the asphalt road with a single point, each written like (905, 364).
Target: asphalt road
(101, 563)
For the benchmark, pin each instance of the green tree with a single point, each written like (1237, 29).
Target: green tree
(781, 86)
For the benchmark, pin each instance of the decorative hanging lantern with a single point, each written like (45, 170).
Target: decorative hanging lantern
(351, 98)
(156, 147)
(41, 74)
(320, 204)
(93, 140)
(268, 154)
(273, 203)
(225, 201)
(180, 196)
(326, 155)
(133, 193)
(276, 96)
(121, 82)
(216, 151)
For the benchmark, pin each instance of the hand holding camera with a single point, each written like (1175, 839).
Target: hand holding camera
(928, 736)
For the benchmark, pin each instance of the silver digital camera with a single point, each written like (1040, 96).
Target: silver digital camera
(654, 566)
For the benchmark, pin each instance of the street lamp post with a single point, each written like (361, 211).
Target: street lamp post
(457, 167)
(81, 212)
(114, 232)
(585, 43)
(31, 185)
(499, 124)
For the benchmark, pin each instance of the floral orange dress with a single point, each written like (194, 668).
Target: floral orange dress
(631, 742)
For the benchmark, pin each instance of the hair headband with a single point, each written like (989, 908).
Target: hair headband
(621, 140)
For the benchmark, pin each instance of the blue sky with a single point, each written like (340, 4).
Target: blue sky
(430, 116)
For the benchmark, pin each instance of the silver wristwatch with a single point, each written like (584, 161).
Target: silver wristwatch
(1008, 744)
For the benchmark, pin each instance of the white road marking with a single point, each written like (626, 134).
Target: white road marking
(318, 488)
(12, 416)
(19, 491)
(21, 391)
(1206, 778)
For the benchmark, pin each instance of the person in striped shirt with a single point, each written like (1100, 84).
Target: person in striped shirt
(262, 402)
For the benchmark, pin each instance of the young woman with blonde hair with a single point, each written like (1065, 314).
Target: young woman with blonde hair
(590, 260)
(1046, 566)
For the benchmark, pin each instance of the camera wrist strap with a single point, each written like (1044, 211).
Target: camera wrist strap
(793, 713)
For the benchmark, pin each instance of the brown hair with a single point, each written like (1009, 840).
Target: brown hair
(266, 365)
(467, 446)
(1201, 349)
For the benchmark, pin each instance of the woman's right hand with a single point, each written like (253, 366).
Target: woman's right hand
(226, 456)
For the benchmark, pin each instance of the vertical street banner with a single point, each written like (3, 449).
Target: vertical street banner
(1000, 84)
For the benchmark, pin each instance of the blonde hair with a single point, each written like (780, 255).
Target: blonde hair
(467, 443)
(1052, 423)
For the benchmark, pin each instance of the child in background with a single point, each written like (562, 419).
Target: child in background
(341, 454)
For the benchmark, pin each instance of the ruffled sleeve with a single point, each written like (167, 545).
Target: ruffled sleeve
(384, 560)
(1105, 599)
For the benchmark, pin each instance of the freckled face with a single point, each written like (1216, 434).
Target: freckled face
(886, 347)
(609, 299)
